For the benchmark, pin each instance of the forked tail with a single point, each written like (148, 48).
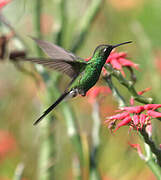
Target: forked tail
(51, 107)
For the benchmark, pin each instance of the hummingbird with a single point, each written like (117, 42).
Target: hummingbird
(83, 74)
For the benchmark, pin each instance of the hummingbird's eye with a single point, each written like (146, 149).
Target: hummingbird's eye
(105, 49)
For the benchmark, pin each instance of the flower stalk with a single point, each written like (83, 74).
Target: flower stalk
(128, 84)
(152, 146)
(115, 92)
(132, 116)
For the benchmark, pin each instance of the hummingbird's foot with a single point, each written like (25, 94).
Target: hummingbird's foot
(73, 93)
(82, 93)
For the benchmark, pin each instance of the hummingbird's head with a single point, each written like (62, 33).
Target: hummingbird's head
(104, 50)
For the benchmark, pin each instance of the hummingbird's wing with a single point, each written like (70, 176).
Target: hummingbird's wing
(61, 60)
(70, 68)
(54, 51)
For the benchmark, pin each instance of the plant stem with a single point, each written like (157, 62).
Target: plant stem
(72, 129)
(37, 23)
(150, 159)
(115, 92)
(86, 24)
(45, 169)
(150, 147)
(18, 172)
(63, 22)
(69, 116)
(128, 84)
(94, 173)
(151, 144)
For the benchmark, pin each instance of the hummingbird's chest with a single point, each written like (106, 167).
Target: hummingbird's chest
(87, 78)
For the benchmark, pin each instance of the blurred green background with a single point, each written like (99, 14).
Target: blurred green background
(22, 98)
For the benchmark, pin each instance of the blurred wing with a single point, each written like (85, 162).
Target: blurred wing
(70, 68)
(55, 51)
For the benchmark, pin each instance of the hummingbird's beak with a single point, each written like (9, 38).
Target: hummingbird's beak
(121, 44)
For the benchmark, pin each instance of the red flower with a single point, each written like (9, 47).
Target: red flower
(119, 116)
(87, 59)
(138, 148)
(4, 2)
(124, 122)
(152, 106)
(94, 92)
(154, 114)
(7, 143)
(118, 60)
(134, 109)
(142, 119)
(136, 117)
(143, 91)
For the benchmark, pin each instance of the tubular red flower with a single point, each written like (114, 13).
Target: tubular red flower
(136, 116)
(7, 143)
(117, 60)
(115, 64)
(143, 118)
(152, 106)
(122, 54)
(87, 59)
(134, 109)
(143, 91)
(154, 114)
(116, 55)
(94, 92)
(119, 116)
(138, 148)
(4, 2)
(136, 119)
(124, 122)
(126, 62)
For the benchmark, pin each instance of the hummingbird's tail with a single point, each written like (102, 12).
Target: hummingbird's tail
(51, 107)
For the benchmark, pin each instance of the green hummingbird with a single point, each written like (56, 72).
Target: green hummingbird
(83, 74)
